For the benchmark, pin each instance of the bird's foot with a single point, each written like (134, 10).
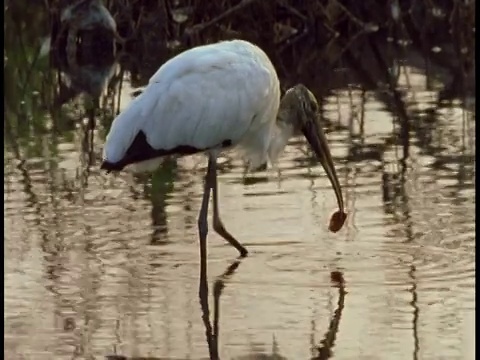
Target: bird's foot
(243, 253)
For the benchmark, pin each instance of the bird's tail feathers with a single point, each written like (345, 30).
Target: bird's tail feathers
(125, 128)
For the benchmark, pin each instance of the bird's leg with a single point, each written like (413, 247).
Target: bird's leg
(203, 222)
(217, 222)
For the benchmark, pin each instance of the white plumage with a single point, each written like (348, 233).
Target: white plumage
(201, 98)
(208, 99)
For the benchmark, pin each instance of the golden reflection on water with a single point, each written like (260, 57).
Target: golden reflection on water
(112, 267)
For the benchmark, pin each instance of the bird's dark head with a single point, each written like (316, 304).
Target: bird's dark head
(299, 109)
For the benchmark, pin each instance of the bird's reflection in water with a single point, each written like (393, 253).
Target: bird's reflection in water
(87, 156)
(324, 350)
(212, 332)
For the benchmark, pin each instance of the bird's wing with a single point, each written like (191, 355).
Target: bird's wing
(200, 99)
(205, 98)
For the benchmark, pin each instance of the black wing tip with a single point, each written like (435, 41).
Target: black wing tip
(109, 166)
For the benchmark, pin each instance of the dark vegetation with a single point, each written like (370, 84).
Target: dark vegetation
(327, 44)
(302, 37)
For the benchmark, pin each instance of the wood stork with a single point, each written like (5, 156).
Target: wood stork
(209, 99)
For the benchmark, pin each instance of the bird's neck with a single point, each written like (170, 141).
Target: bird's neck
(281, 133)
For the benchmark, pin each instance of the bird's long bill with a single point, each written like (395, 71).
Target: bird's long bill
(317, 140)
